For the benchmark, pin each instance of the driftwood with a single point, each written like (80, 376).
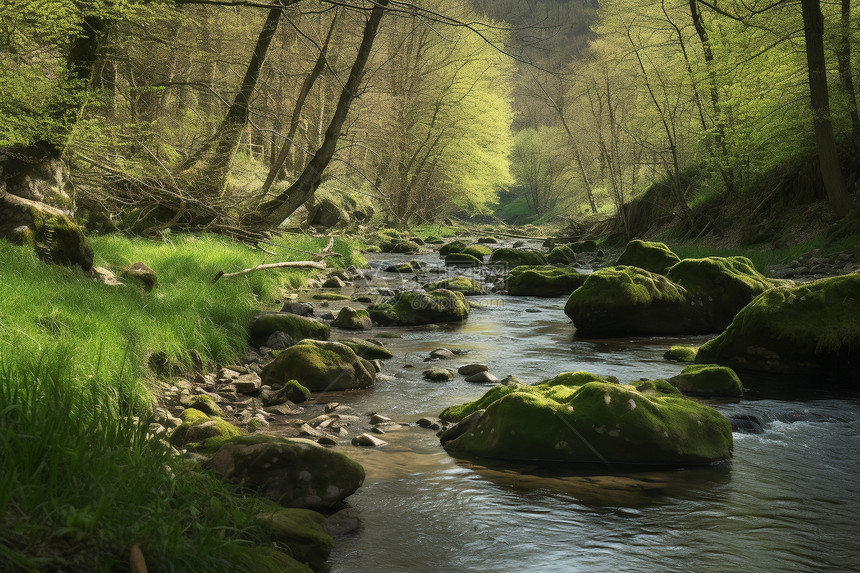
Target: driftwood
(287, 264)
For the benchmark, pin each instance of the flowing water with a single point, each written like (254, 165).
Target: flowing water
(789, 500)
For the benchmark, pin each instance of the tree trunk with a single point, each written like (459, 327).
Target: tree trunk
(220, 150)
(843, 55)
(834, 183)
(311, 78)
(278, 209)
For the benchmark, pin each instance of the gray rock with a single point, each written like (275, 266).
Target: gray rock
(299, 308)
(353, 319)
(470, 369)
(326, 441)
(331, 407)
(377, 419)
(226, 376)
(442, 353)
(343, 522)
(248, 384)
(438, 374)
(482, 378)
(366, 440)
(334, 282)
(279, 340)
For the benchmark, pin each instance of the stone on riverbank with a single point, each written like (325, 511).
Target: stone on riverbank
(303, 531)
(320, 366)
(518, 257)
(650, 256)
(543, 281)
(294, 473)
(467, 286)
(574, 418)
(708, 380)
(294, 326)
(199, 430)
(808, 328)
(561, 255)
(367, 349)
(411, 308)
(401, 246)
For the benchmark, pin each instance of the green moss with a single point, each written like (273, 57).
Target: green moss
(681, 353)
(409, 267)
(295, 392)
(708, 380)
(367, 349)
(457, 413)
(353, 319)
(330, 296)
(596, 422)
(267, 559)
(217, 430)
(487, 240)
(320, 366)
(193, 416)
(464, 285)
(657, 387)
(401, 246)
(543, 281)
(57, 239)
(478, 251)
(562, 254)
(518, 257)
(302, 531)
(295, 326)
(411, 308)
(811, 327)
(460, 259)
(206, 405)
(651, 256)
(452, 247)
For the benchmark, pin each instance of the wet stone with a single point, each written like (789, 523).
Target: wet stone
(377, 419)
(470, 369)
(366, 440)
(442, 354)
(438, 374)
(482, 378)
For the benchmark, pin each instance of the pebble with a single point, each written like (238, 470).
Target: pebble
(367, 440)
(377, 419)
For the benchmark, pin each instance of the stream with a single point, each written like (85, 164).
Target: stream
(788, 501)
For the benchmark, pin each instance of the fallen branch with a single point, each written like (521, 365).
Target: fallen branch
(287, 264)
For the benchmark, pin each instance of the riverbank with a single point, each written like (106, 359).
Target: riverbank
(81, 365)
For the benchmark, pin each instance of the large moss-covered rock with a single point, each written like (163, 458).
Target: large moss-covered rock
(402, 246)
(367, 349)
(708, 380)
(320, 366)
(561, 255)
(411, 308)
(452, 247)
(811, 327)
(302, 531)
(518, 257)
(575, 418)
(681, 353)
(353, 319)
(719, 287)
(462, 260)
(651, 256)
(294, 473)
(622, 301)
(464, 285)
(543, 281)
(478, 251)
(47, 230)
(294, 326)
(201, 431)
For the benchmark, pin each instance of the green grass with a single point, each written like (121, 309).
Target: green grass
(81, 479)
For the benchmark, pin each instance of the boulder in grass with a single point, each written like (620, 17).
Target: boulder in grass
(294, 473)
(320, 366)
(543, 281)
(467, 286)
(517, 257)
(141, 275)
(651, 256)
(411, 308)
(708, 380)
(294, 326)
(578, 417)
(808, 328)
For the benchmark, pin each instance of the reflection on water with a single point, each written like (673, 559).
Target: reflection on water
(788, 501)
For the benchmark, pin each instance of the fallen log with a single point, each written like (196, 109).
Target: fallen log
(286, 264)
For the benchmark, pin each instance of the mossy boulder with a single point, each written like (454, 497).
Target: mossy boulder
(708, 380)
(205, 404)
(478, 251)
(268, 558)
(353, 319)
(462, 260)
(302, 531)
(584, 246)
(367, 349)
(408, 267)
(719, 287)
(561, 255)
(294, 326)
(517, 257)
(488, 240)
(452, 247)
(320, 366)
(411, 308)
(464, 285)
(201, 431)
(140, 275)
(651, 256)
(577, 418)
(623, 301)
(295, 392)
(47, 230)
(293, 473)
(807, 328)
(544, 281)
(681, 353)
(402, 246)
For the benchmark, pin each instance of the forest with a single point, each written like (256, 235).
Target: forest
(452, 285)
(210, 115)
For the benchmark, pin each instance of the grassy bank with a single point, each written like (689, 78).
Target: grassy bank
(82, 480)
